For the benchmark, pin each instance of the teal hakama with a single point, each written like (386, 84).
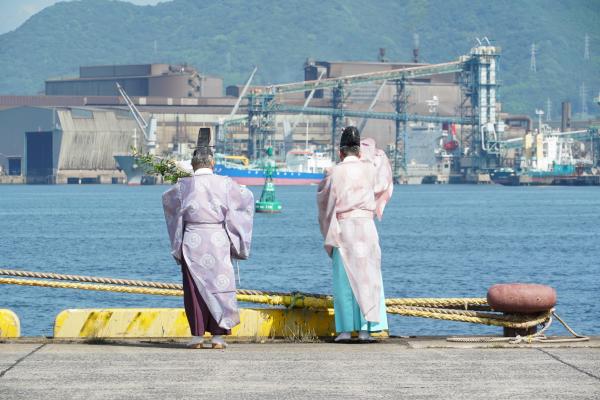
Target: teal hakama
(351, 195)
(348, 317)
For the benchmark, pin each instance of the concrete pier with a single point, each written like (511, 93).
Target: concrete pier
(424, 368)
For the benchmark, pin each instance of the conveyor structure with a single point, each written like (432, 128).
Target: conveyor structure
(477, 73)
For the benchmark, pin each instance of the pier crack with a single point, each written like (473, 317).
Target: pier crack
(575, 367)
(21, 359)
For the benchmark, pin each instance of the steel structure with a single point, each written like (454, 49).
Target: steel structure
(581, 135)
(477, 78)
(148, 128)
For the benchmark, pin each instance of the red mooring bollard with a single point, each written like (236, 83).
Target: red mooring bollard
(521, 298)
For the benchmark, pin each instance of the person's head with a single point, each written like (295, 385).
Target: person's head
(202, 159)
(350, 142)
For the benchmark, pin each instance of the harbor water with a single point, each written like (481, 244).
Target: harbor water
(437, 241)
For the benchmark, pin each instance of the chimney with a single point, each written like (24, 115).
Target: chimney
(565, 120)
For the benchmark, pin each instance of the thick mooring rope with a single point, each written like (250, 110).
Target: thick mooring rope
(295, 299)
(91, 286)
(451, 309)
(93, 279)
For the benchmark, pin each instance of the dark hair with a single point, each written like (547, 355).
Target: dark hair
(201, 159)
(350, 141)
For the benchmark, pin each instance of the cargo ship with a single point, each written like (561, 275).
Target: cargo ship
(549, 162)
(561, 175)
(256, 177)
(301, 168)
(134, 173)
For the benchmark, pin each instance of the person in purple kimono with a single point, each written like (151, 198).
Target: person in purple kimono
(352, 193)
(209, 218)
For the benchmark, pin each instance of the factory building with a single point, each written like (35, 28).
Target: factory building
(142, 80)
(63, 144)
(181, 101)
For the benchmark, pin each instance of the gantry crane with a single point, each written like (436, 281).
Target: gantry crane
(478, 80)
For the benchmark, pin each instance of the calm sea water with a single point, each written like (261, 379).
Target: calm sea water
(437, 241)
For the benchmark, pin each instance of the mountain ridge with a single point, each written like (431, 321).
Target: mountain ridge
(227, 38)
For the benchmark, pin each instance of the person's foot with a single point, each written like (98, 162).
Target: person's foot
(218, 342)
(365, 336)
(343, 337)
(196, 343)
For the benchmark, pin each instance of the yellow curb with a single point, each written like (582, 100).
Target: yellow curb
(10, 326)
(298, 324)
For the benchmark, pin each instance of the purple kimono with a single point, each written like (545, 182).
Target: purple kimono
(209, 219)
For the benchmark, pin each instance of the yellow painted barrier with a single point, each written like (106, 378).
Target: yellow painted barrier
(10, 326)
(172, 323)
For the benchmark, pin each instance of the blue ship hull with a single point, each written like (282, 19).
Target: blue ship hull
(252, 177)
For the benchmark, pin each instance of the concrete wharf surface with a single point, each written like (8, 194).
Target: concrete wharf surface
(422, 368)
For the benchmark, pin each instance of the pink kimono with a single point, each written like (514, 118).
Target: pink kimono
(209, 219)
(350, 195)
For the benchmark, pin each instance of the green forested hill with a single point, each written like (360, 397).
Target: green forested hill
(227, 37)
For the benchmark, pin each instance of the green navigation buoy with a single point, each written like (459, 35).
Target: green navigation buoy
(268, 203)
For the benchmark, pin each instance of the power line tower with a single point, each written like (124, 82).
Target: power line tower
(583, 94)
(548, 109)
(586, 47)
(532, 66)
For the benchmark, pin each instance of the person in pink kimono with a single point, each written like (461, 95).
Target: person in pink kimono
(209, 219)
(352, 193)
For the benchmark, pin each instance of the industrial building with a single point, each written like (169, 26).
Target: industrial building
(141, 80)
(63, 144)
(182, 100)
(85, 122)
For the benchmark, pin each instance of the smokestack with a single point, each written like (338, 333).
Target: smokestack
(416, 48)
(565, 120)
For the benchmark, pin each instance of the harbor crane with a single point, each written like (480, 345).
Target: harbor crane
(258, 121)
(477, 77)
(221, 127)
(148, 128)
(288, 129)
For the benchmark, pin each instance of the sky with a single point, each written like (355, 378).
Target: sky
(14, 12)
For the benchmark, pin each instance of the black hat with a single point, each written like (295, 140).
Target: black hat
(203, 147)
(350, 137)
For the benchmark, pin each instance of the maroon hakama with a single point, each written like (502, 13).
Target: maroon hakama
(196, 310)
